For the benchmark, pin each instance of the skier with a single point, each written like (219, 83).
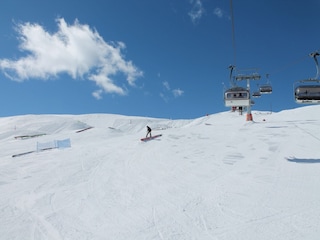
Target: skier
(148, 131)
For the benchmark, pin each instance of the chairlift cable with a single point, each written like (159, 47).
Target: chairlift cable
(299, 60)
(233, 33)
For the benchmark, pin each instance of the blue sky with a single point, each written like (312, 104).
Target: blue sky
(153, 58)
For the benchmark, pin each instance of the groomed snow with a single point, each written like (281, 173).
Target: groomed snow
(216, 177)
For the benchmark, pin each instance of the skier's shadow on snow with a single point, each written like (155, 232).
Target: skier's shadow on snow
(303, 160)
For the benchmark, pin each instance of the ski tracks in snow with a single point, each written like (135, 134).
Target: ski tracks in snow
(204, 180)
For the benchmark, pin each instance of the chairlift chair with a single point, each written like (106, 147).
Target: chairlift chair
(256, 94)
(237, 97)
(265, 89)
(308, 91)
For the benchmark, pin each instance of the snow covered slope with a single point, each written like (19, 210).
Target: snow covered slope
(215, 177)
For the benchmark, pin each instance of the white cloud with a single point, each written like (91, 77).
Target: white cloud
(218, 12)
(164, 97)
(197, 10)
(74, 49)
(97, 94)
(177, 92)
(166, 85)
